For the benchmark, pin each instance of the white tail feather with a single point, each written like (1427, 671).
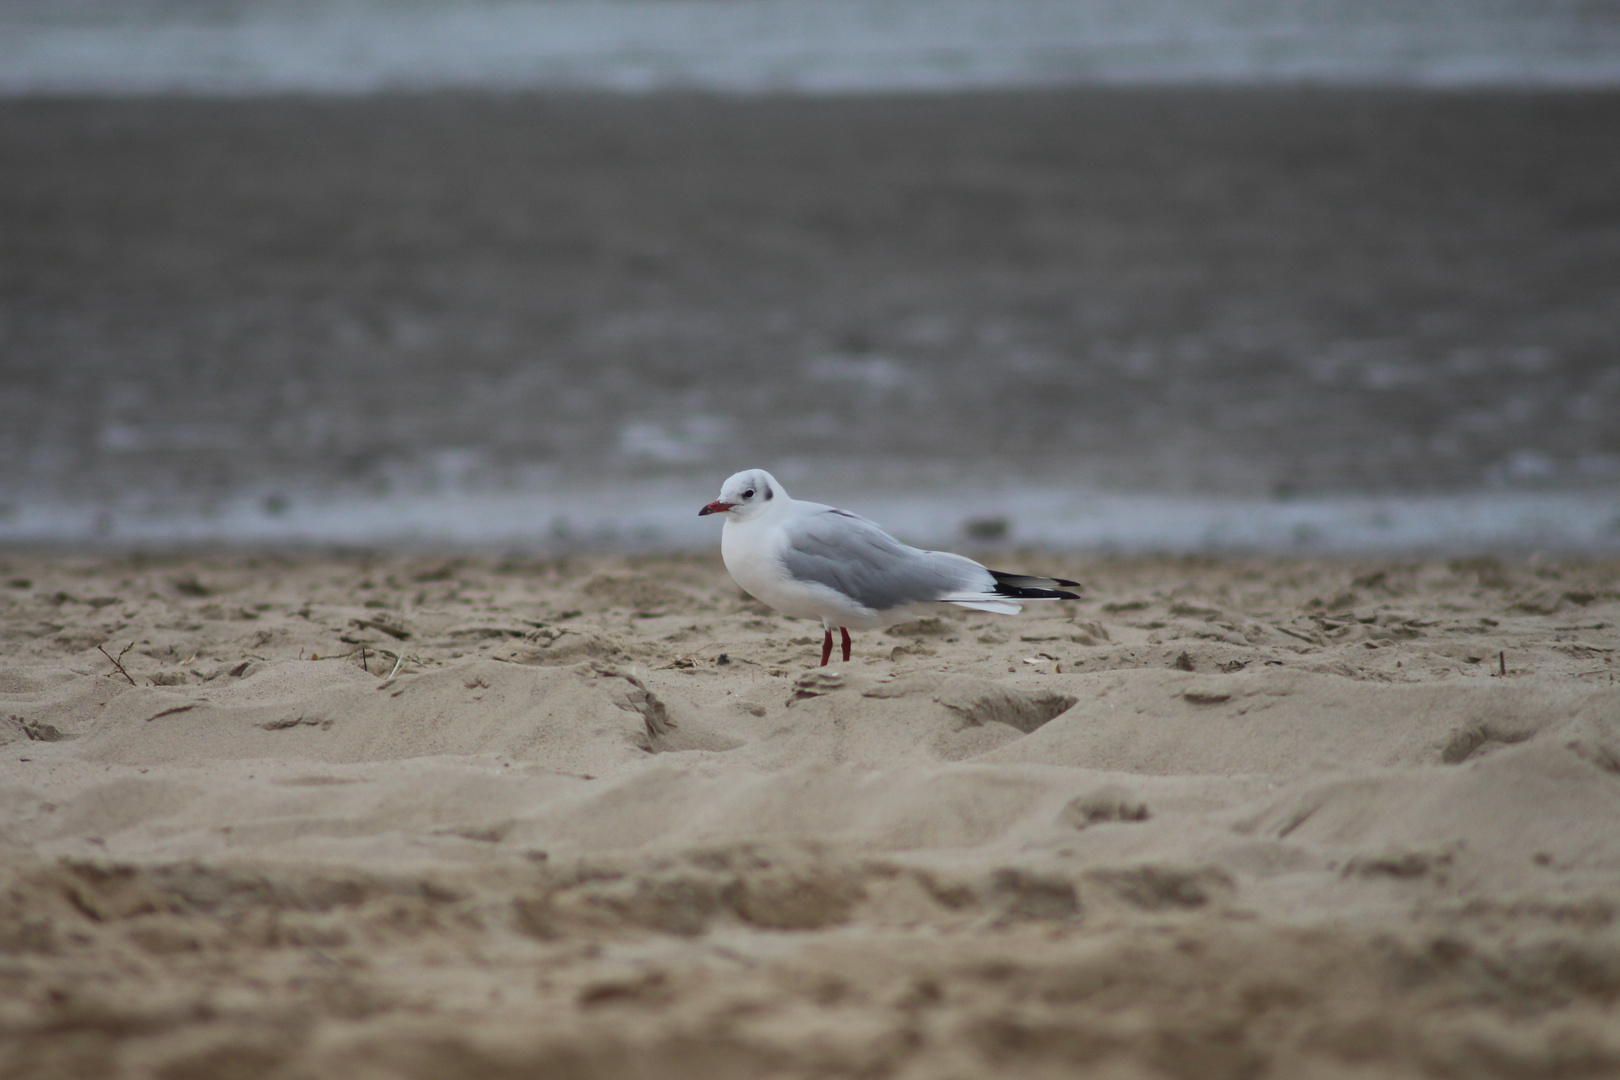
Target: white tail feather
(1000, 607)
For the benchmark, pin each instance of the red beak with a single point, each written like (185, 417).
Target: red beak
(715, 507)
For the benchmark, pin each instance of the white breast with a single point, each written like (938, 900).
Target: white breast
(751, 552)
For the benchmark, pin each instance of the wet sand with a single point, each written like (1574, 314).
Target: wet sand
(411, 817)
(1240, 292)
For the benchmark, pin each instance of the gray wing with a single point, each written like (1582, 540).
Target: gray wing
(860, 560)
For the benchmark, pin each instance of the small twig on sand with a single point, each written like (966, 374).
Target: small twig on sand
(1501, 659)
(397, 663)
(363, 663)
(115, 660)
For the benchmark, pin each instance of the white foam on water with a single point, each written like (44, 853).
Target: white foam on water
(662, 516)
(792, 46)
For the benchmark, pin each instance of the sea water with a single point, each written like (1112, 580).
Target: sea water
(795, 46)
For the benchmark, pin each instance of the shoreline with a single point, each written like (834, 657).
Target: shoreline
(1560, 523)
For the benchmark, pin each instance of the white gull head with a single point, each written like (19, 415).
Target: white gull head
(746, 495)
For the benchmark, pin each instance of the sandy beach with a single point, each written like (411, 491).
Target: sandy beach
(326, 816)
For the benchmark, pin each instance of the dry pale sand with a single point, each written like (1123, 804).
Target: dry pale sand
(1259, 818)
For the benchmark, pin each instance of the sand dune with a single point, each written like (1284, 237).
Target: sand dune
(400, 818)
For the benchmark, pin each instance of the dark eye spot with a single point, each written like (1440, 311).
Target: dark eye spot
(749, 494)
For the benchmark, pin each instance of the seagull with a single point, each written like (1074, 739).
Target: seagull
(817, 562)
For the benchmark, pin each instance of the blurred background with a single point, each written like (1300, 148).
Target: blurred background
(1289, 275)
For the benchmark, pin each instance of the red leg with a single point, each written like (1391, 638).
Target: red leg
(845, 632)
(826, 647)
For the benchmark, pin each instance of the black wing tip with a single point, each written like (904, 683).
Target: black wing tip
(1023, 592)
(1008, 585)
